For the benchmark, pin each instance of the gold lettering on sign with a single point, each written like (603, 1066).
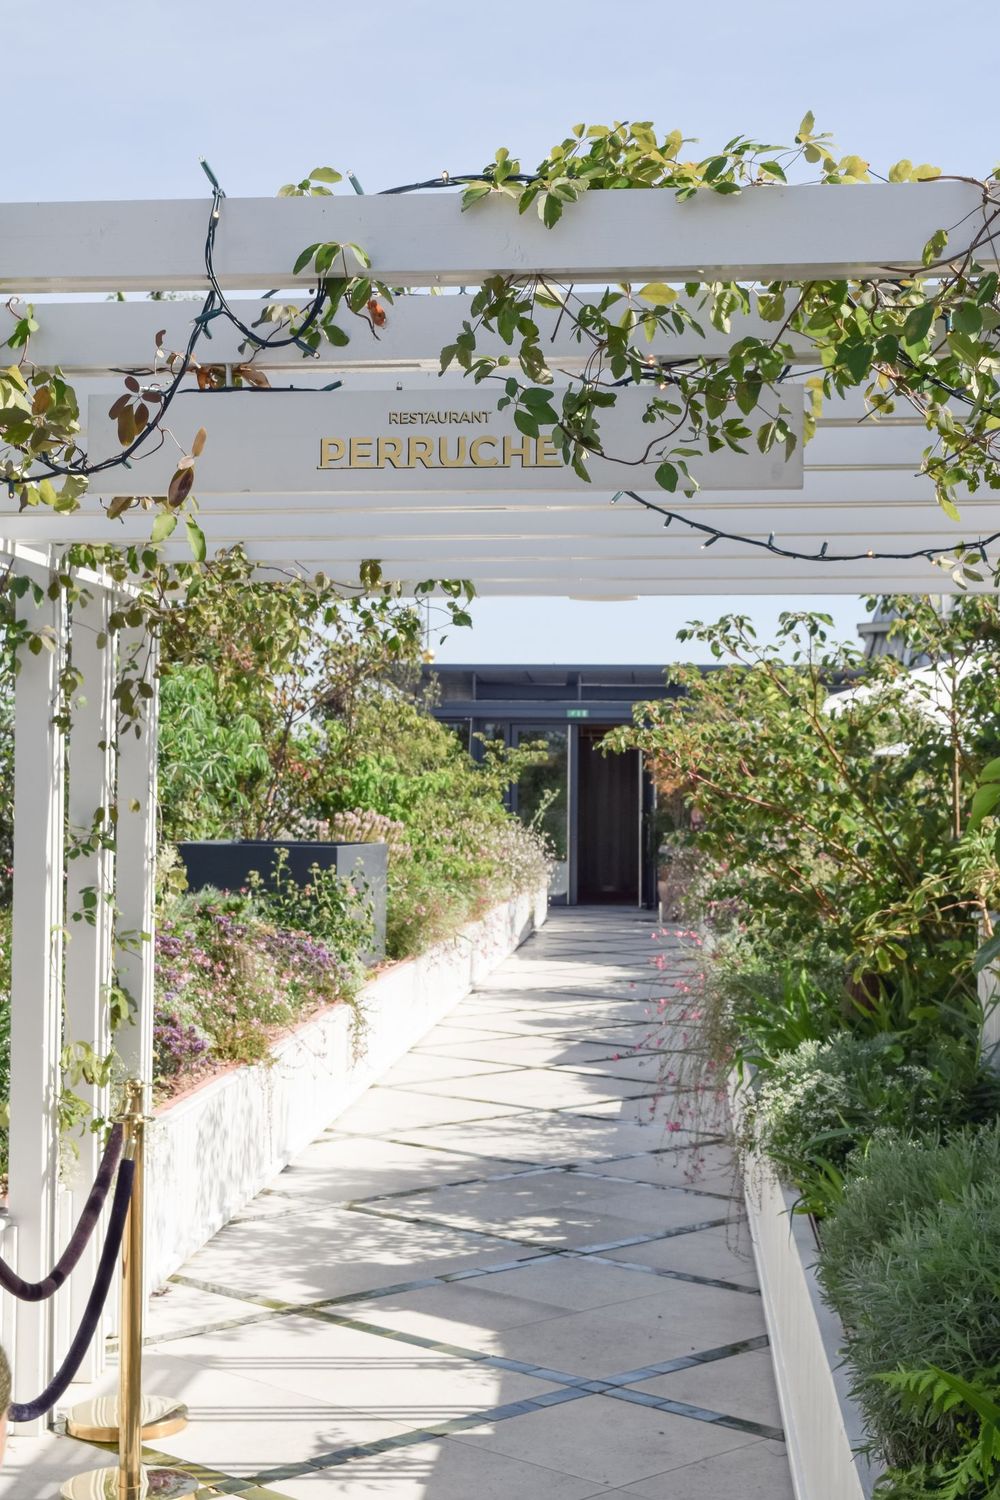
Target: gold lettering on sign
(546, 454)
(522, 449)
(438, 452)
(437, 418)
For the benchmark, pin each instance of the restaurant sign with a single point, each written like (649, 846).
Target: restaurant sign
(309, 442)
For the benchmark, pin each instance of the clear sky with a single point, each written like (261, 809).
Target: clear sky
(114, 99)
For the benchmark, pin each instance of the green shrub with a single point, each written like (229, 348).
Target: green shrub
(327, 907)
(926, 1297)
(813, 1105)
(890, 1184)
(973, 1471)
(228, 979)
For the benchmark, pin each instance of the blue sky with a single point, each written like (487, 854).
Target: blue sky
(120, 100)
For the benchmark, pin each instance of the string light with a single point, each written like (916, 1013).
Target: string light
(214, 306)
(713, 534)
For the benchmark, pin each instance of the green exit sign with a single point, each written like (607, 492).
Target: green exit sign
(578, 713)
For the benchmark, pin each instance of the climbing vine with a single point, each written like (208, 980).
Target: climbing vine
(927, 343)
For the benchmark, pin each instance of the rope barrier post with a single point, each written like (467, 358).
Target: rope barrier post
(130, 1480)
(130, 1324)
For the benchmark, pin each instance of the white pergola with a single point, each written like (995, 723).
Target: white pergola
(514, 530)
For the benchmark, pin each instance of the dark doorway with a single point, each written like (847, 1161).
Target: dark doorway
(607, 822)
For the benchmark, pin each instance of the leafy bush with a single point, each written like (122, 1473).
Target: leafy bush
(327, 907)
(830, 823)
(892, 1182)
(973, 1408)
(815, 1103)
(228, 979)
(926, 1296)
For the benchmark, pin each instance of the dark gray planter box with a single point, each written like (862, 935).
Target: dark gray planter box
(227, 864)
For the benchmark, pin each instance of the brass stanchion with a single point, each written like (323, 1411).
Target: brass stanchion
(129, 1480)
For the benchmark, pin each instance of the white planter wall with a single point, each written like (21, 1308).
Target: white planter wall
(213, 1151)
(989, 985)
(822, 1424)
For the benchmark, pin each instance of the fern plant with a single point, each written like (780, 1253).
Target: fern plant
(971, 1406)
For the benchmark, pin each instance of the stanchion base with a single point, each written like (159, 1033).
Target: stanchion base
(156, 1484)
(97, 1421)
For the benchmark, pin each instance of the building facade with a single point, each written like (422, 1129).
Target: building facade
(598, 810)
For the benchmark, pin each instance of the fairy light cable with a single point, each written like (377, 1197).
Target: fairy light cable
(824, 555)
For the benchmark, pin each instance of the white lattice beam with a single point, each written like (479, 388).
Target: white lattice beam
(425, 240)
(36, 972)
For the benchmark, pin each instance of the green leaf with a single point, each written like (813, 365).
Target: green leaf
(747, 395)
(196, 540)
(774, 169)
(983, 803)
(667, 476)
(164, 525)
(967, 318)
(324, 174)
(857, 358)
(474, 192)
(918, 323)
(325, 256)
(305, 258)
(806, 128)
(658, 293)
(359, 294)
(987, 954)
(934, 248)
(550, 209)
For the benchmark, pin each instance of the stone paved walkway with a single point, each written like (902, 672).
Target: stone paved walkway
(494, 1276)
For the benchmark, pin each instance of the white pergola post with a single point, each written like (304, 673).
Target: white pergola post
(89, 912)
(136, 859)
(36, 981)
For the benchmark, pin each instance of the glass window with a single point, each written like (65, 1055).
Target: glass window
(462, 730)
(542, 792)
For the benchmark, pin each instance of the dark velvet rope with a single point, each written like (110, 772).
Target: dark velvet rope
(38, 1291)
(95, 1305)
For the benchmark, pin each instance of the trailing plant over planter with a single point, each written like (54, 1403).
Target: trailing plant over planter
(833, 797)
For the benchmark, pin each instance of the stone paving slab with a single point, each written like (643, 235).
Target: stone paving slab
(504, 1272)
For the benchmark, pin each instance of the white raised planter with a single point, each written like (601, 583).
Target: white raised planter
(215, 1149)
(823, 1427)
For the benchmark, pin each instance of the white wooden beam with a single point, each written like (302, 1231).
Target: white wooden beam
(593, 526)
(85, 338)
(135, 864)
(89, 893)
(700, 582)
(425, 240)
(36, 974)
